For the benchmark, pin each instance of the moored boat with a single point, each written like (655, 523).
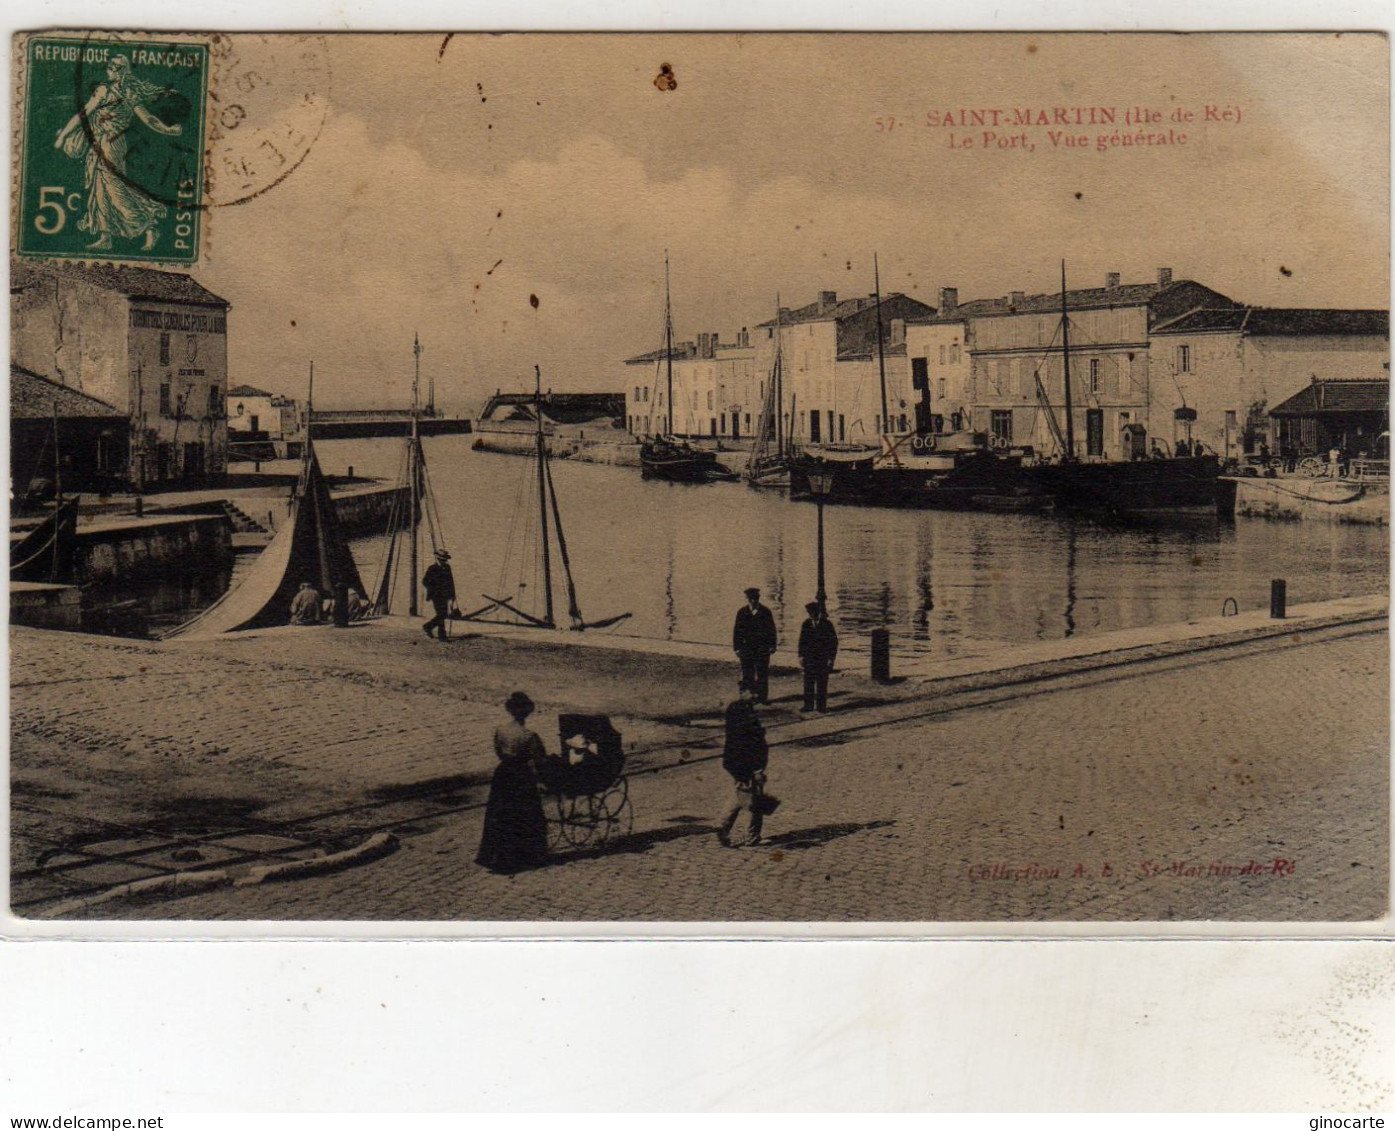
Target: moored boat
(1132, 488)
(665, 457)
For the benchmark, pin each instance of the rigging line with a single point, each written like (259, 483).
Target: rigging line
(1118, 369)
(513, 536)
(385, 560)
(573, 610)
(384, 576)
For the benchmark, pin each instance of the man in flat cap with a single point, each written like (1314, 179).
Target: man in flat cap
(753, 641)
(818, 648)
(439, 583)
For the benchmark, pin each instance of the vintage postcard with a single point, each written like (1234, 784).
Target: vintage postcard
(770, 479)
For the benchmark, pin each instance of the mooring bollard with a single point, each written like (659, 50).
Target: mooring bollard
(881, 655)
(140, 506)
(1278, 598)
(351, 471)
(341, 605)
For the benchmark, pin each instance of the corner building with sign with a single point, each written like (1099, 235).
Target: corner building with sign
(154, 344)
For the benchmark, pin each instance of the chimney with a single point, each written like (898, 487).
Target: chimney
(1164, 276)
(714, 344)
(1016, 298)
(744, 341)
(1111, 281)
(827, 300)
(949, 300)
(702, 344)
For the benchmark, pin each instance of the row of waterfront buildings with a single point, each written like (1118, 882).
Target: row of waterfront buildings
(1165, 360)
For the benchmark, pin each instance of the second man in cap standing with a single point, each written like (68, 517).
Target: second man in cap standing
(753, 640)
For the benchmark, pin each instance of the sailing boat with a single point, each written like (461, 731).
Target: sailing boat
(1119, 488)
(769, 462)
(413, 501)
(665, 456)
(912, 469)
(507, 610)
(310, 546)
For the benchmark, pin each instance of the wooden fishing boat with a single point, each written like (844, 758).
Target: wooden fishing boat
(665, 456)
(1127, 489)
(910, 469)
(310, 546)
(771, 452)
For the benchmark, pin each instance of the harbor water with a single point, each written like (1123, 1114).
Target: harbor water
(677, 557)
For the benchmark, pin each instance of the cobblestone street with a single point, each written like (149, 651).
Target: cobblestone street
(1057, 801)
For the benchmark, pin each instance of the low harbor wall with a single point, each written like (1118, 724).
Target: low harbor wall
(350, 429)
(135, 548)
(46, 606)
(616, 453)
(363, 514)
(1318, 500)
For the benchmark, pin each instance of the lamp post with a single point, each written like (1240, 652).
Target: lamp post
(820, 483)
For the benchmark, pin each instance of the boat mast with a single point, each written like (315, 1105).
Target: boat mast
(57, 461)
(309, 412)
(779, 383)
(881, 355)
(1065, 359)
(53, 569)
(542, 498)
(668, 341)
(412, 470)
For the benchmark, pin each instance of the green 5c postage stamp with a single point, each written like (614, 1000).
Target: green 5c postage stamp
(113, 149)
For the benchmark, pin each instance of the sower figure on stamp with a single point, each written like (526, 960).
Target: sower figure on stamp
(439, 583)
(745, 756)
(818, 649)
(753, 641)
(97, 135)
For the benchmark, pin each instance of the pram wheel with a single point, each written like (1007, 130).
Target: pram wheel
(591, 819)
(614, 815)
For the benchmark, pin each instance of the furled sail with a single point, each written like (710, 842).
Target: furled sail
(310, 547)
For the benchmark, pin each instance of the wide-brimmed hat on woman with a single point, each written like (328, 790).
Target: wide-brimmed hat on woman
(518, 704)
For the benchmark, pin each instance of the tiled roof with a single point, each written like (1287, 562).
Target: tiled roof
(248, 391)
(959, 313)
(33, 398)
(682, 351)
(1325, 397)
(817, 312)
(1092, 298)
(1274, 321)
(133, 282)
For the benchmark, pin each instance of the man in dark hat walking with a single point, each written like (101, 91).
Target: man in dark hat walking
(439, 583)
(753, 641)
(818, 648)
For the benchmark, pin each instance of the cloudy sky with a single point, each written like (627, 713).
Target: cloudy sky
(446, 187)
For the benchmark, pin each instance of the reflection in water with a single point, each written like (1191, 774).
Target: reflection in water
(168, 599)
(679, 556)
(1070, 576)
(670, 615)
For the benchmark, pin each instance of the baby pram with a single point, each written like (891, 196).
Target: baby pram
(586, 794)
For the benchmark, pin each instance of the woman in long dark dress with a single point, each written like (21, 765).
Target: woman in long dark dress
(515, 829)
